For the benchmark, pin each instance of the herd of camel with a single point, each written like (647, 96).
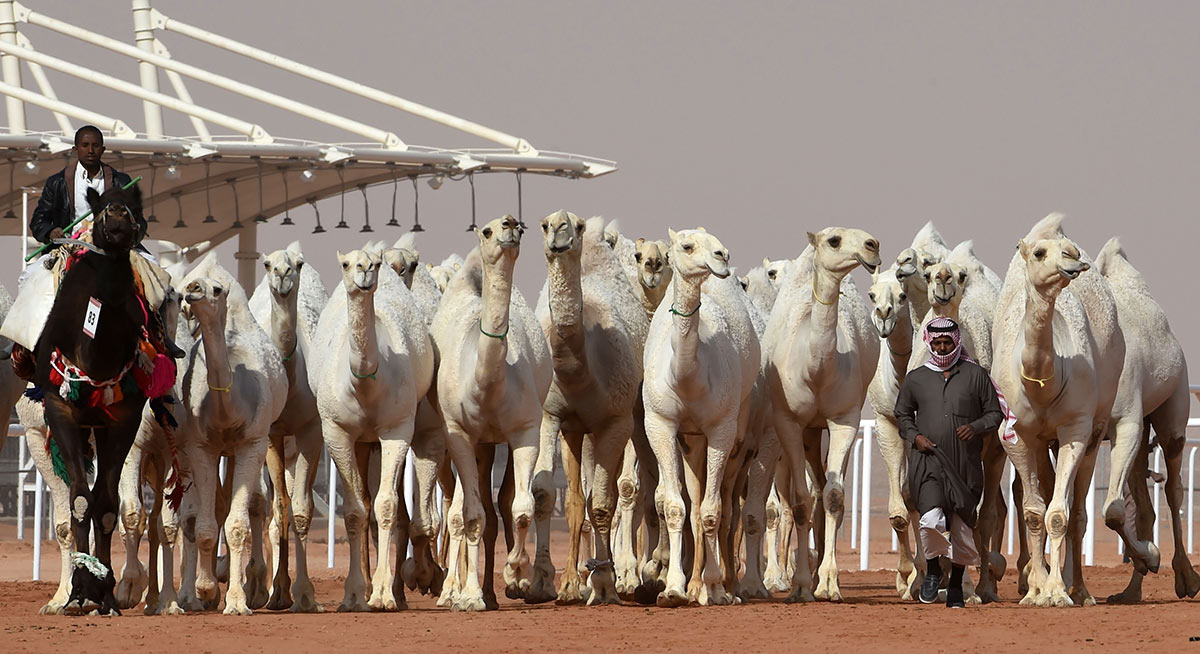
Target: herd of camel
(689, 405)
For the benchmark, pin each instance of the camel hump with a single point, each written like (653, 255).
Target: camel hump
(1108, 256)
(1048, 227)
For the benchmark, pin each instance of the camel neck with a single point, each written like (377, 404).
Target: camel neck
(364, 344)
(566, 316)
(900, 342)
(685, 316)
(1037, 354)
(283, 328)
(918, 299)
(217, 364)
(822, 338)
(108, 278)
(494, 327)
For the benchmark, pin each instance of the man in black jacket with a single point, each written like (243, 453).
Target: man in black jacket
(64, 196)
(943, 410)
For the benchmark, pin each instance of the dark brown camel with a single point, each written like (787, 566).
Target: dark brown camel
(77, 346)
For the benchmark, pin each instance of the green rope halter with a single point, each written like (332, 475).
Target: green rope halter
(369, 374)
(294, 346)
(684, 315)
(498, 337)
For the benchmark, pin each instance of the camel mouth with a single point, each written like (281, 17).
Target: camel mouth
(905, 271)
(509, 244)
(559, 249)
(942, 301)
(871, 267)
(1069, 273)
(719, 274)
(885, 326)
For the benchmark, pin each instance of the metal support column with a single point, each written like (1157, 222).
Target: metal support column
(11, 66)
(247, 257)
(143, 30)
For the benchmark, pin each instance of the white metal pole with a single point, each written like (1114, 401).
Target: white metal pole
(855, 456)
(11, 67)
(43, 84)
(22, 449)
(1089, 537)
(37, 527)
(1191, 498)
(1012, 515)
(1157, 493)
(118, 128)
(143, 31)
(864, 533)
(410, 474)
(332, 503)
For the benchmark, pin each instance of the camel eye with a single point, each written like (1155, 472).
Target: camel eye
(688, 247)
(771, 273)
(872, 296)
(637, 257)
(546, 227)
(1039, 253)
(835, 242)
(927, 262)
(267, 266)
(345, 265)
(903, 297)
(487, 232)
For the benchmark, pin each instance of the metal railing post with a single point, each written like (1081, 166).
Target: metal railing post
(855, 455)
(864, 532)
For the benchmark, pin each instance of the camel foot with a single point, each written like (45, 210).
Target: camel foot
(172, 608)
(672, 598)
(801, 595)
(1187, 582)
(353, 603)
(570, 591)
(987, 595)
(651, 571)
(51, 608)
(1126, 597)
(907, 582)
(281, 599)
(304, 597)
(448, 597)
(1081, 597)
(753, 590)
(647, 593)
(716, 595)
(385, 600)
(1055, 597)
(603, 587)
(541, 587)
(131, 588)
(469, 603)
(777, 584)
(236, 606)
(257, 592)
(828, 590)
(627, 578)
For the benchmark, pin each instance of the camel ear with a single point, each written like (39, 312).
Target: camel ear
(429, 267)
(640, 241)
(962, 277)
(342, 259)
(93, 200)
(580, 227)
(673, 235)
(766, 262)
(812, 239)
(666, 256)
(1023, 248)
(701, 229)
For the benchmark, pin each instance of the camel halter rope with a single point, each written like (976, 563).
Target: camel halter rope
(499, 337)
(369, 375)
(1040, 382)
(225, 389)
(679, 313)
(818, 297)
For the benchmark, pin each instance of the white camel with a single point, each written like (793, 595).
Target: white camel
(233, 389)
(1153, 391)
(821, 353)
(701, 361)
(287, 304)
(494, 376)
(927, 248)
(11, 386)
(1058, 355)
(373, 366)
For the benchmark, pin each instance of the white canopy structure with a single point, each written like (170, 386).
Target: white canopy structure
(213, 187)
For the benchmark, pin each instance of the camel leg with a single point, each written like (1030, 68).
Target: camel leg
(1072, 440)
(447, 482)
(772, 576)
(189, 557)
(609, 446)
(504, 502)
(168, 522)
(393, 451)
(652, 561)
(1077, 589)
(134, 578)
(1033, 508)
(719, 444)
(570, 591)
(1187, 582)
(485, 454)
(309, 444)
(470, 596)
(428, 450)
(841, 438)
(1128, 437)
(894, 451)
(814, 479)
(257, 573)
(344, 453)
(754, 518)
(541, 588)
(993, 471)
(247, 476)
(693, 450)
(660, 432)
(626, 527)
(453, 550)
(522, 455)
(281, 510)
(60, 495)
(1023, 556)
(798, 501)
(72, 445)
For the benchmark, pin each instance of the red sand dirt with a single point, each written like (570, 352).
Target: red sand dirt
(872, 618)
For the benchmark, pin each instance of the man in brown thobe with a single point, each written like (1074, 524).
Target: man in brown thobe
(944, 409)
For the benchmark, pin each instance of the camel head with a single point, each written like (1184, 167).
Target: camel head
(442, 274)
(500, 239)
(283, 271)
(360, 270)
(206, 302)
(404, 261)
(563, 234)
(114, 225)
(889, 300)
(776, 269)
(695, 254)
(945, 283)
(841, 249)
(1051, 263)
(912, 262)
(653, 259)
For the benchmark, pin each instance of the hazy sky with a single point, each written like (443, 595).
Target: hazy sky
(759, 121)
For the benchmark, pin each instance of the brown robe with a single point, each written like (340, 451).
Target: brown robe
(935, 406)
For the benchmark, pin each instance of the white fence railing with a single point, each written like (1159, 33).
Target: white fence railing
(29, 480)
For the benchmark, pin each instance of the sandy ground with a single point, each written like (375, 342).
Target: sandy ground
(871, 617)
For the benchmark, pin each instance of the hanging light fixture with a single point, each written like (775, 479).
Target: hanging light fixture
(12, 186)
(319, 229)
(207, 193)
(366, 228)
(395, 184)
(416, 207)
(287, 216)
(436, 181)
(179, 224)
(173, 172)
(308, 175)
(32, 167)
(471, 178)
(153, 176)
(237, 222)
(261, 217)
(342, 181)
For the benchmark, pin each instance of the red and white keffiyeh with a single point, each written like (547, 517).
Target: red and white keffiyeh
(943, 326)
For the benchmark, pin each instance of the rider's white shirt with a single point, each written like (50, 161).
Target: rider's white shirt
(81, 186)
